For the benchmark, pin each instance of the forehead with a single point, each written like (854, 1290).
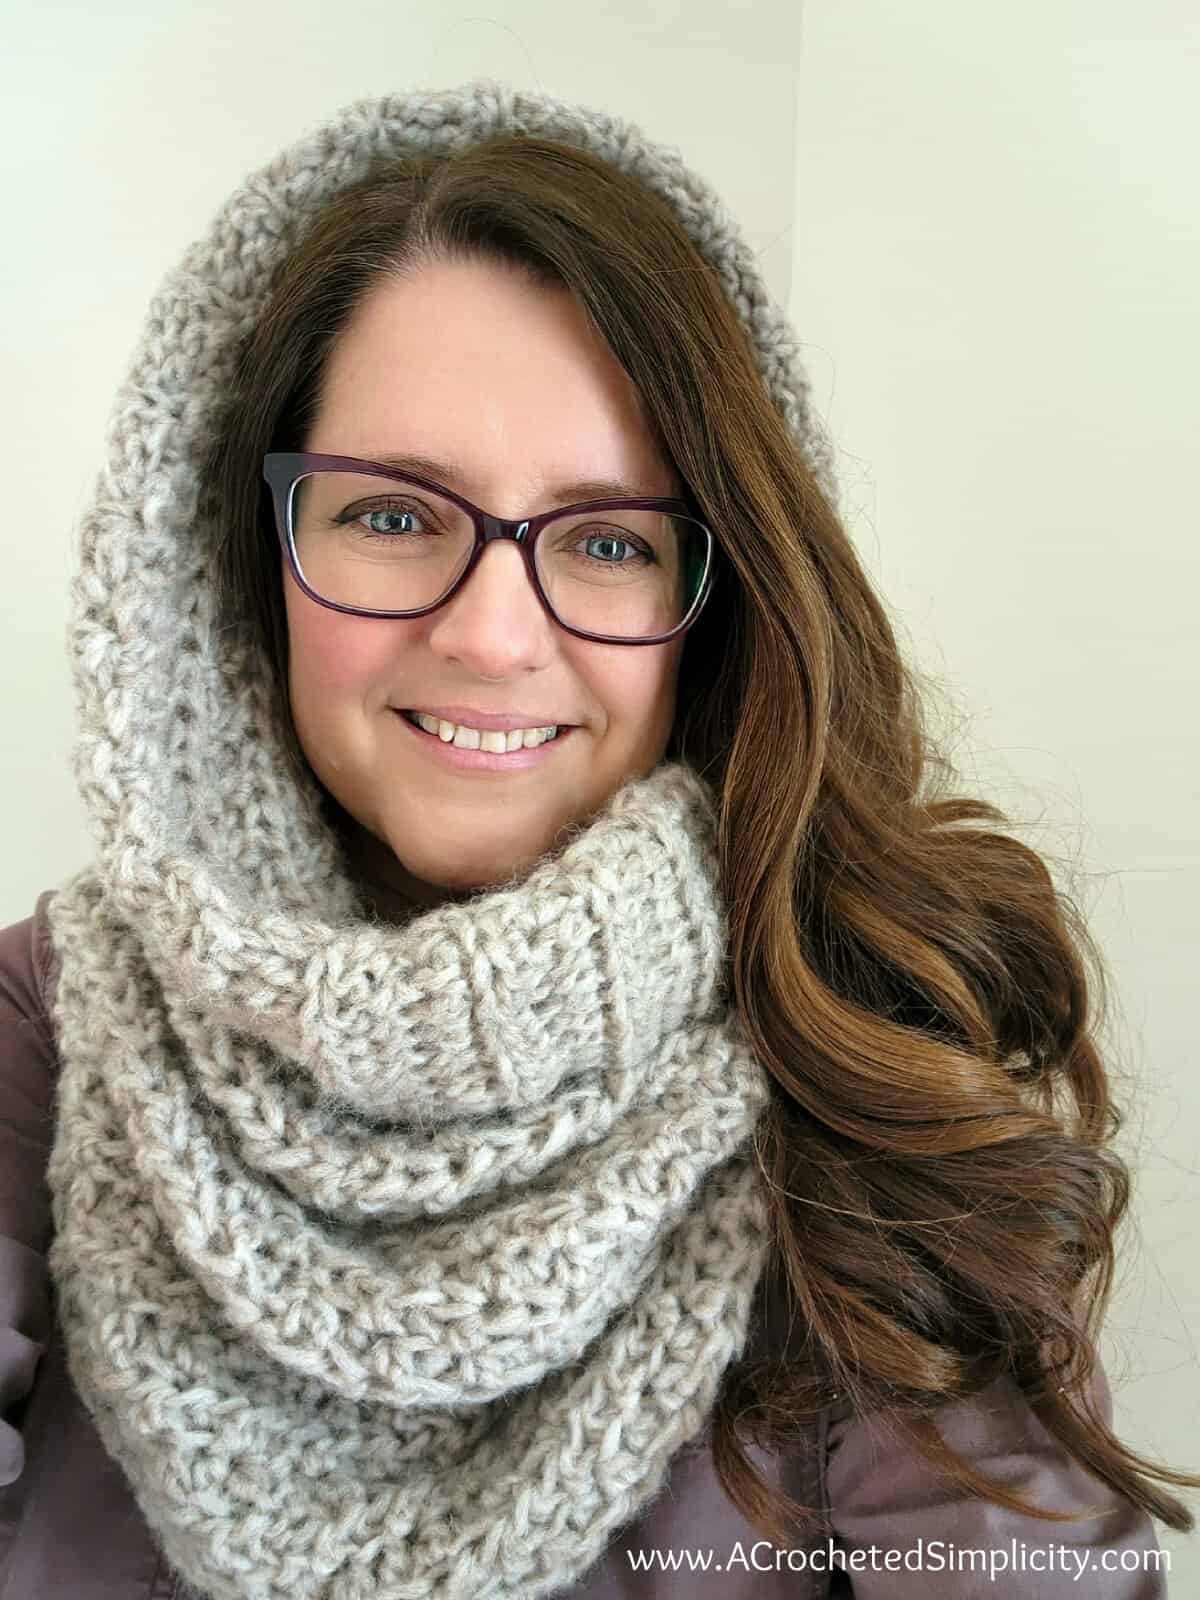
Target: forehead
(456, 474)
(480, 379)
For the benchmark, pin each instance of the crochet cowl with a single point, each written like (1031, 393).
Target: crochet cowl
(391, 1261)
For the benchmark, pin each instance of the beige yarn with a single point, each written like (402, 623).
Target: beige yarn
(392, 1262)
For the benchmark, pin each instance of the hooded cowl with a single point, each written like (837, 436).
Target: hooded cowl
(392, 1262)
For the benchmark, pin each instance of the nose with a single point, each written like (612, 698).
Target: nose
(501, 575)
(496, 619)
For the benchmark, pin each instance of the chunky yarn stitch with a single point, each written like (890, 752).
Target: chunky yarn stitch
(392, 1262)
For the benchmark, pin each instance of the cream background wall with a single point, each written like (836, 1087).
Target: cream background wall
(995, 253)
(984, 224)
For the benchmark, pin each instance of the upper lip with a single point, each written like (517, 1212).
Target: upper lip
(503, 721)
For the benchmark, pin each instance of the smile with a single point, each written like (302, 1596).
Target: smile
(456, 757)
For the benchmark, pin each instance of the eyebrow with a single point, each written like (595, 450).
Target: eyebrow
(453, 474)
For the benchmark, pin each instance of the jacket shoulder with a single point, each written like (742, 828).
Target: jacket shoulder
(29, 972)
(883, 1495)
(28, 1064)
(28, 1068)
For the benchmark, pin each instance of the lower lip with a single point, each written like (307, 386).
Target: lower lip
(483, 760)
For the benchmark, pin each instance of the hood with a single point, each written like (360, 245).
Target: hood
(175, 736)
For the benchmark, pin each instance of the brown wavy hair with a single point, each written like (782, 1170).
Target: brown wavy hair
(937, 1151)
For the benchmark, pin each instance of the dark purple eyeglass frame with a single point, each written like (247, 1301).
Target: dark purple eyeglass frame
(282, 469)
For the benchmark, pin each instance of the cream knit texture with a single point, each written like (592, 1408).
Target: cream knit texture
(392, 1262)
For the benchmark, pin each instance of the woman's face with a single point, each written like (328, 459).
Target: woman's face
(471, 363)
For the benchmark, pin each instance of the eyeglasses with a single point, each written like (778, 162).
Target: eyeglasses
(329, 511)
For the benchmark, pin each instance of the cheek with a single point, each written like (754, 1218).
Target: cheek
(330, 656)
(636, 691)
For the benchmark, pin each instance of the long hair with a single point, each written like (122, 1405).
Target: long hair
(942, 1191)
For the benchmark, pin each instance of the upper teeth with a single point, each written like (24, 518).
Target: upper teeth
(483, 739)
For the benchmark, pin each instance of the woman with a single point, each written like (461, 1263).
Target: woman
(547, 1097)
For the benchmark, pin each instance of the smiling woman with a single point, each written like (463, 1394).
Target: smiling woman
(473, 1172)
